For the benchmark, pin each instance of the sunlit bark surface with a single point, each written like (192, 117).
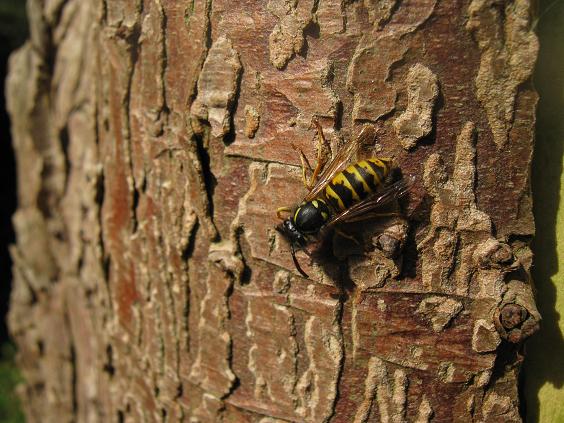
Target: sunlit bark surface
(154, 141)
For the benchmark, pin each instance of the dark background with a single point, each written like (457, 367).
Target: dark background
(13, 32)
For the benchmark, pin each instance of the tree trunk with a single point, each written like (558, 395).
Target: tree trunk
(154, 141)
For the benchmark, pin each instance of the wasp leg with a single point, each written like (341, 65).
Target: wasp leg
(322, 141)
(305, 162)
(281, 210)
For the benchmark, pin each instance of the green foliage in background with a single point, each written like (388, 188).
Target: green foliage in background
(10, 410)
(543, 377)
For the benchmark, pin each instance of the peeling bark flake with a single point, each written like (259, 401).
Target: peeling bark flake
(485, 338)
(417, 120)
(271, 329)
(390, 392)
(379, 11)
(509, 48)
(317, 387)
(439, 311)
(217, 87)
(209, 410)
(454, 212)
(368, 76)
(212, 369)
(500, 407)
(330, 16)
(252, 121)
(425, 412)
(287, 38)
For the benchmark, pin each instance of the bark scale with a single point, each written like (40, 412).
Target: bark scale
(154, 143)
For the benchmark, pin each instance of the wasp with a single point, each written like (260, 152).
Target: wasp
(340, 193)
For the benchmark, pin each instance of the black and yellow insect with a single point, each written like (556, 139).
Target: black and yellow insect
(341, 193)
(356, 182)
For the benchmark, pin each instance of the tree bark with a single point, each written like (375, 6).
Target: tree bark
(154, 141)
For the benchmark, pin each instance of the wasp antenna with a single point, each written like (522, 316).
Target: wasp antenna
(296, 263)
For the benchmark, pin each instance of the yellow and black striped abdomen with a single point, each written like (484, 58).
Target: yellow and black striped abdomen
(356, 182)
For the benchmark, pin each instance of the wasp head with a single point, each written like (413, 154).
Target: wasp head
(291, 233)
(288, 229)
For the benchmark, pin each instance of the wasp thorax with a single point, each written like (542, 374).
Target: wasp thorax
(311, 216)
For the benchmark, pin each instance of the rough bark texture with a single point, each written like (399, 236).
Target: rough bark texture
(154, 143)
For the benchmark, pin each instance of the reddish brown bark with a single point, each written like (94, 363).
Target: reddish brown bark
(155, 141)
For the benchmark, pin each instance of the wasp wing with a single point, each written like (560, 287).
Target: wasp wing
(340, 161)
(366, 209)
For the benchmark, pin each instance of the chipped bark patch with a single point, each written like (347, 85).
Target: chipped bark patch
(425, 412)
(445, 372)
(440, 311)
(257, 216)
(370, 386)
(290, 95)
(314, 80)
(198, 196)
(375, 268)
(331, 17)
(317, 387)
(493, 253)
(273, 353)
(379, 11)
(421, 348)
(287, 36)
(252, 121)
(212, 367)
(484, 337)
(417, 120)
(209, 409)
(282, 282)
(483, 378)
(389, 392)
(217, 87)
(501, 408)
(509, 49)
(225, 256)
(457, 225)
(368, 75)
